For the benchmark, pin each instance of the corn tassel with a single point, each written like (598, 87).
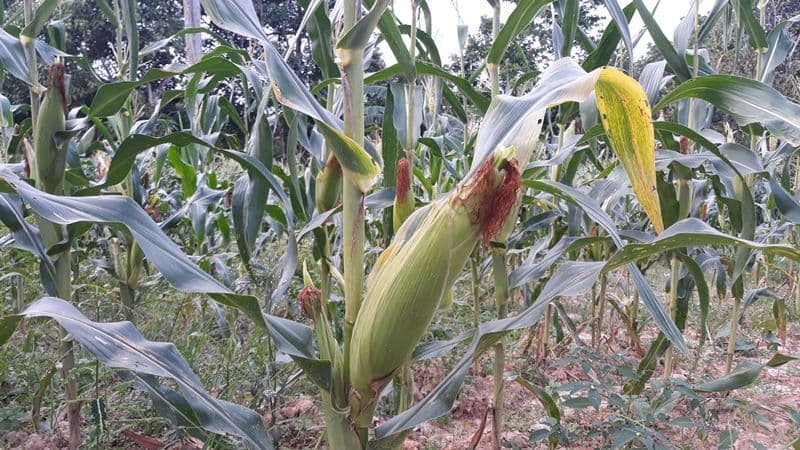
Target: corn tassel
(413, 274)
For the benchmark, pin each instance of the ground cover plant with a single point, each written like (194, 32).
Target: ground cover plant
(297, 223)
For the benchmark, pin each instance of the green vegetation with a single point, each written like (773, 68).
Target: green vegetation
(244, 229)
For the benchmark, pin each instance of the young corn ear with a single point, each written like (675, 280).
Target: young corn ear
(403, 197)
(417, 269)
(329, 185)
(51, 149)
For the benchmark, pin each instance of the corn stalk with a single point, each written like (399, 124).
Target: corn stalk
(50, 149)
(352, 196)
(498, 251)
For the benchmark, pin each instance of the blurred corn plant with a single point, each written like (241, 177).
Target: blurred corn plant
(403, 177)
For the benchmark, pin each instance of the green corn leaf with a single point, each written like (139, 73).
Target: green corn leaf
(744, 374)
(675, 61)
(692, 233)
(651, 302)
(119, 345)
(747, 20)
(748, 101)
(238, 16)
(522, 15)
(357, 37)
(780, 44)
(621, 19)
(110, 97)
(40, 17)
(517, 121)
(609, 40)
(787, 204)
(571, 278)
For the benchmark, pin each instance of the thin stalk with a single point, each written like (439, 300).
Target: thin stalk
(601, 309)
(30, 59)
(462, 74)
(695, 61)
(635, 309)
(20, 293)
(501, 307)
(291, 161)
(132, 35)
(592, 315)
(52, 234)
(494, 69)
(762, 19)
(675, 273)
(734, 326)
(544, 334)
(476, 300)
(412, 50)
(406, 388)
(352, 197)
(500, 277)
(353, 232)
(404, 379)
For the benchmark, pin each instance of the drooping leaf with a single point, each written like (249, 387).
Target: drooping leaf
(692, 232)
(652, 79)
(361, 165)
(120, 345)
(711, 19)
(238, 16)
(517, 121)
(744, 374)
(571, 278)
(626, 117)
(780, 44)
(12, 55)
(399, 115)
(159, 249)
(250, 193)
(748, 101)
(651, 302)
(787, 204)
(390, 33)
(608, 41)
(110, 97)
(40, 18)
(27, 237)
(480, 101)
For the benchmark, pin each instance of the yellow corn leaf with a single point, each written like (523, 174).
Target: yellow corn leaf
(627, 121)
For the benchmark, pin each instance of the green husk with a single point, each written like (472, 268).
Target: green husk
(329, 185)
(413, 274)
(404, 196)
(50, 148)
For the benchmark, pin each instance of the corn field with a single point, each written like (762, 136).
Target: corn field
(345, 233)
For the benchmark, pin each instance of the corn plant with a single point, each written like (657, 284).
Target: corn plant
(558, 191)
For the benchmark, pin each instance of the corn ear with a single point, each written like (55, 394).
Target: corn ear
(413, 274)
(49, 148)
(403, 195)
(329, 185)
